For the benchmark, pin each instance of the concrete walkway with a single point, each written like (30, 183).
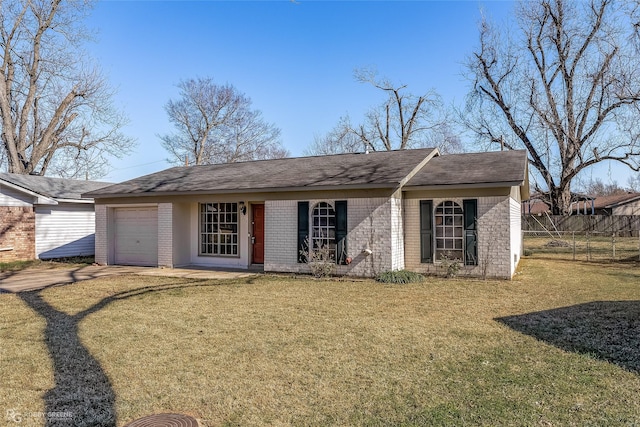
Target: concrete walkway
(31, 279)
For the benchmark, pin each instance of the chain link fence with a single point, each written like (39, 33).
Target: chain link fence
(623, 246)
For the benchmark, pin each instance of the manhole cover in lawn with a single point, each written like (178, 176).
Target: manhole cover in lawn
(164, 420)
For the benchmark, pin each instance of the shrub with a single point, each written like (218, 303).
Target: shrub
(450, 266)
(399, 277)
(321, 260)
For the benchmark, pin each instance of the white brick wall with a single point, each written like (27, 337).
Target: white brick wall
(165, 235)
(494, 237)
(368, 224)
(102, 248)
(281, 236)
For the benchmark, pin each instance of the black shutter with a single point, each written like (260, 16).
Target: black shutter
(341, 231)
(470, 208)
(303, 230)
(426, 231)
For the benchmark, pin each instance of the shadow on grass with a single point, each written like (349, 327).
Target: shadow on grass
(83, 394)
(608, 330)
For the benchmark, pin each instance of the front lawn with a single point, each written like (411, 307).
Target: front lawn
(558, 345)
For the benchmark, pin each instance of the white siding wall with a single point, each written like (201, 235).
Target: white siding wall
(516, 233)
(632, 208)
(65, 230)
(11, 197)
(397, 235)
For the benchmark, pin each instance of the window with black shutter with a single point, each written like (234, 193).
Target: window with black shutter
(426, 231)
(303, 230)
(470, 208)
(341, 232)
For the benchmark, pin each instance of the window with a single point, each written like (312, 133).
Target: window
(328, 228)
(219, 229)
(449, 231)
(323, 228)
(456, 231)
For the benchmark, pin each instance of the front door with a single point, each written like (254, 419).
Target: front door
(257, 234)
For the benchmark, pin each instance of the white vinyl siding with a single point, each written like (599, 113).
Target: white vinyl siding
(515, 227)
(65, 230)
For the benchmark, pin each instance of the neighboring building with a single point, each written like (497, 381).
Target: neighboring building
(42, 217)
(375, 212)
(616, 204)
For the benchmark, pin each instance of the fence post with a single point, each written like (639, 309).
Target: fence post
(574, 245)
(613, 245)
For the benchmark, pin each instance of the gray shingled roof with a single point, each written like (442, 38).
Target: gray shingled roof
(472, 169)
(356, 170)
(55, 188)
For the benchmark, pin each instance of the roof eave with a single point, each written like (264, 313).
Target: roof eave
(40, 199)
(500, 184)
(387, 186)
(624, 202)
(82, 200)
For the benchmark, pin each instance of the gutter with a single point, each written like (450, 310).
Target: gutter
(40, 199)
(464, 186)
(388, 186)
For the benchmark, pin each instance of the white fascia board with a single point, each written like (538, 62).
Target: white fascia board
(40, 199)
(85, 201)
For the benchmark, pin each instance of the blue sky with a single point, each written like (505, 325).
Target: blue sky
(295, 60)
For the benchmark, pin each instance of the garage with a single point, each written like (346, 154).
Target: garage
(136, 236)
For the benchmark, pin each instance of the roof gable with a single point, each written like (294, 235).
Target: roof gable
(496, 167)
(385, 169)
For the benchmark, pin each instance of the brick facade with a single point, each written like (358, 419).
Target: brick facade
(102, 249)
(495, 240)
(165, 235)
(17, 233)
(368, 225)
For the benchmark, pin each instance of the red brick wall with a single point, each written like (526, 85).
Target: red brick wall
(17, 231)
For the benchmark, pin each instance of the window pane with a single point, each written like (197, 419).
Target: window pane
(449, 230)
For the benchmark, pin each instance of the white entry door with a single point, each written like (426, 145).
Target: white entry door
(136, 236)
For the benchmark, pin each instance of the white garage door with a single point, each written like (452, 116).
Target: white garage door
(136, 236)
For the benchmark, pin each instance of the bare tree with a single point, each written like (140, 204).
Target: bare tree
(340, 139)
(566, 88)
(402, 121)
(633, 183)
(216, 124)
(56, 110)
(596, 187)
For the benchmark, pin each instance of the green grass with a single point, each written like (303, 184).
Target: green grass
(558, 345)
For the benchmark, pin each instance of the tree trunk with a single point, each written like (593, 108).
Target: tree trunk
(560, 198)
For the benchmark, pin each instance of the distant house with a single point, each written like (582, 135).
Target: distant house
(374, 212)
(42, 217)
(617, 204)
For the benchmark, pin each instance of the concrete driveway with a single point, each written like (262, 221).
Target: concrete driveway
(31, 279)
